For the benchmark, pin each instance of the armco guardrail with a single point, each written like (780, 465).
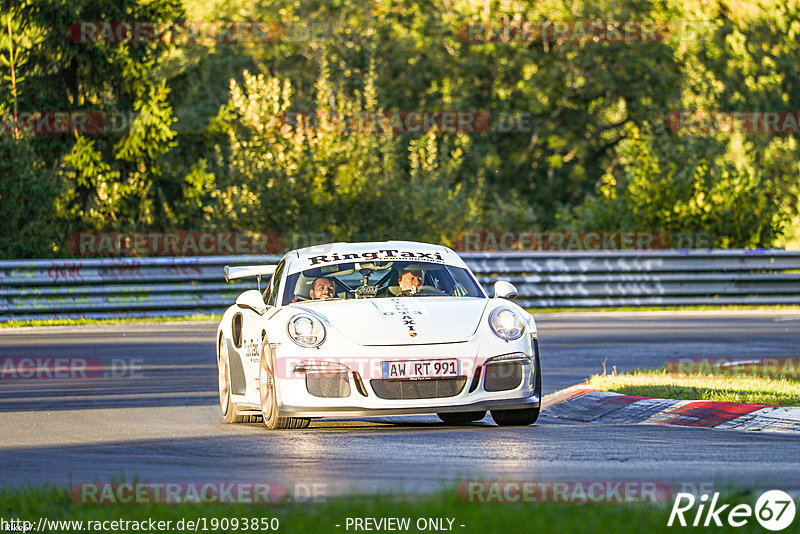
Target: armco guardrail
(644, 278)
(119, 287)
(160, 287)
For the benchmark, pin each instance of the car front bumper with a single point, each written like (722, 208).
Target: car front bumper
(295, 400)
(360, 411)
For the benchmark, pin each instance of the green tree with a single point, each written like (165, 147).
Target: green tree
(318, 177)
(741, 187)
(28, 188)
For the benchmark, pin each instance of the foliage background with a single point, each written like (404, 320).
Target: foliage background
(206, 151)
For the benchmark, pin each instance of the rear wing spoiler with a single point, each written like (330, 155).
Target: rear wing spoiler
(248, 271)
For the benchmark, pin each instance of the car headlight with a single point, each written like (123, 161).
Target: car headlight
(306, 331)
(506, 324)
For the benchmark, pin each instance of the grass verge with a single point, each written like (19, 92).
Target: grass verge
(120, 320)
(211, 317)
(54, 504)
(730, 307)
(772, 391)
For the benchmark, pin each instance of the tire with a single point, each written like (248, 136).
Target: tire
(460, 418)
(269, 403)
(229, 411)
(524, 417)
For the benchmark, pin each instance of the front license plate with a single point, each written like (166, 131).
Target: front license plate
(420, 369)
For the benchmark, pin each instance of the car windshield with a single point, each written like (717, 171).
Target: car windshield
(354, 280)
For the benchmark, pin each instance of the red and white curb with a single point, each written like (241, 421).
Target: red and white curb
(586, 405)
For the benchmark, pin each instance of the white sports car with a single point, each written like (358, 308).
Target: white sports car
(375, 329)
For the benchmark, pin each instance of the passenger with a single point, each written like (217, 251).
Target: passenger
(409, 282)
(322, 289)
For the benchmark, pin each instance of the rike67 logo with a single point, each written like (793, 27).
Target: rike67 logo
(774, 510)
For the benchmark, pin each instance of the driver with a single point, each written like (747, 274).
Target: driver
(409, 282)
(322, 289)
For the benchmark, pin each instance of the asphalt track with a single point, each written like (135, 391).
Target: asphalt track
(162, 424)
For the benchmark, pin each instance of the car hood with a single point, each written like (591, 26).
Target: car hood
(404, 320)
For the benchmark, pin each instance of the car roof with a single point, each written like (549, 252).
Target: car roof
(331, 253)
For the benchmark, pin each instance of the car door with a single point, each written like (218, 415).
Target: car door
(254, 331)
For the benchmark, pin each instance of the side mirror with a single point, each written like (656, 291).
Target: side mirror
(252, 299)
(504, 290)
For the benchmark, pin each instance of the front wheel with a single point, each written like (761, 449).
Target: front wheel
(523, 417)
(460, 418)
(269, 403)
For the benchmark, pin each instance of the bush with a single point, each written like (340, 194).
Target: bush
(27, 192)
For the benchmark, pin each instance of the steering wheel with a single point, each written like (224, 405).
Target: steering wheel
(428, 291)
